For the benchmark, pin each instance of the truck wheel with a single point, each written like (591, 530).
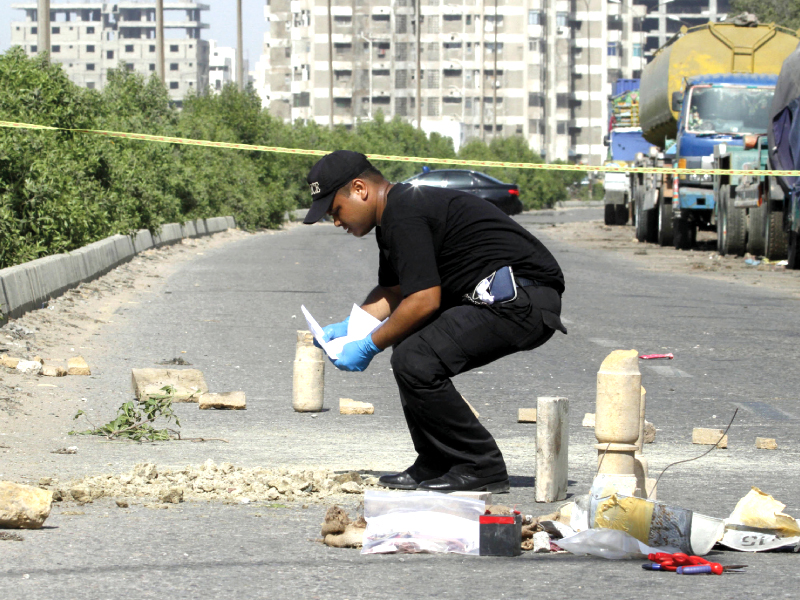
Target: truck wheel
(776, 242)
(665, 223)
(621, 211)
(794, 251)
(610, 215)
(684, 234)
(737, 229)
(722, 219)
(756, 229)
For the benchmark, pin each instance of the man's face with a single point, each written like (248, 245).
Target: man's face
(352, 211)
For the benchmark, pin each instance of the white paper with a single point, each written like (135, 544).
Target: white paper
(360, 325)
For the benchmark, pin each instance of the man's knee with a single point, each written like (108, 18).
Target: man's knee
(415, 363)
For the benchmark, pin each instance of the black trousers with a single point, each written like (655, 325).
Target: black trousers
(446, 434)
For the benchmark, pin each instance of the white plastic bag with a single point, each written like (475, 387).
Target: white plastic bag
(411, 522)
(608, 543)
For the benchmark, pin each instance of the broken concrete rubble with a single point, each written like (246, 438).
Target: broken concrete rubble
(588, 420)
(224, 401)
(766, 443)
(348, 406)
(526, 415)
(53, 371)
(339, 532)
(29, 367)
(9, 361)
(77, 366)
(709, 437)
(189, 384)
(23, 506)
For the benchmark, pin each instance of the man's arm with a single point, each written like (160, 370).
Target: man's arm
(408, 316)
(382, 301)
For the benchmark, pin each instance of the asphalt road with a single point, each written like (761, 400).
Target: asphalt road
(235, 310)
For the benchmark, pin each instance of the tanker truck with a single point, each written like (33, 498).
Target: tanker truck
(708, 85)
(761, 214)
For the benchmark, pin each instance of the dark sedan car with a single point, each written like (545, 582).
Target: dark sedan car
(503, 195)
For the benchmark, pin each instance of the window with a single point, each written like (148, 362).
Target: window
(90, 48)
(301, 100)
(469, 19)
(490, 47)
(34, 30)
(90, 85)
(562, 100)
(33, 48)
(173, 48)
(536, 100)
(56, 30)
(129, 66)
(287, 52)
(56, 49)
(109, 54)
(534, 17)
(173, 85)
(342, 102)
(561, 128)
(152, 66)
(562, 19)
(129, 48)
(637, 50)
(90, 30)
(457, 179)
(152, 48)
(90, 66)
(612, 48)
(173, 66)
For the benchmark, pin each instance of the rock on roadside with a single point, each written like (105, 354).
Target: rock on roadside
(23, 506)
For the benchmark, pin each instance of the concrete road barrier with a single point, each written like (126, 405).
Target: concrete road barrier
(31, 285)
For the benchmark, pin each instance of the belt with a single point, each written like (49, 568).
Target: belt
(524, 282)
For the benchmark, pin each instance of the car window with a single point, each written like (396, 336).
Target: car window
(487, 179)
(459, 179)
(432, 178)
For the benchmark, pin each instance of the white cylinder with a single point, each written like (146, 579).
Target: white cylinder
(552, 443)
(619, 398)
(308, 385)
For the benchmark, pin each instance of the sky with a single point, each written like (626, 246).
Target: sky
(221, 18)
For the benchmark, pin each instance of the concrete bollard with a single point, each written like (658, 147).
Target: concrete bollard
(618, 406)
(552, 443)
(308, 388)
(640, 439)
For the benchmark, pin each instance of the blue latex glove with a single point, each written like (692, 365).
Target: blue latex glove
(333, 331)
(356, 356)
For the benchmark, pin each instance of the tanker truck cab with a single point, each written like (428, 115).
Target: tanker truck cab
(714, 109)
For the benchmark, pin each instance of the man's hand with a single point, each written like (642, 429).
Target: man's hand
(356, 356)
(333, 331)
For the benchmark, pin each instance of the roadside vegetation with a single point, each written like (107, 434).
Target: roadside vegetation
(62, 190)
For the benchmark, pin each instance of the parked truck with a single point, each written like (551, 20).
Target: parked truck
(708, 85)
(624, 142)
(760, 213)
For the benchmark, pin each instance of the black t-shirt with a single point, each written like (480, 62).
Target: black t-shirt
(434, 236)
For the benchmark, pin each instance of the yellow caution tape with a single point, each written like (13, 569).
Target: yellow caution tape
(414, 159)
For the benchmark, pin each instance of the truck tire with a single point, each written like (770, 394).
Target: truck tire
(734, 225)
(646, 222)
(793, 253)
(610, 215)
(756, 229)
(776, 241)
(684, 234)
(621, 211)
(665, 237)
(722, 235)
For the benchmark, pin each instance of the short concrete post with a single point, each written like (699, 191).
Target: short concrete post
(309, 375)
(619, 403)
(552, 444)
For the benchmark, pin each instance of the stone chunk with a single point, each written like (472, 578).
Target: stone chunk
(30, 367)
(227, 400)
(9, 361)
(709, 437)
(189, 384)
(649, 432)
(53, 371)
(541, 541)
(348, 406)
(588, 420)
(766, 443)
(77, 366)
(526, 415)
(173, 495)
(23, 506)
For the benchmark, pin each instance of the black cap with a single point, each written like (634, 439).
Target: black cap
(330, 174)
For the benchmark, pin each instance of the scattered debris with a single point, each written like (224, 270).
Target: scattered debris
(709, 437)
(122, 503)
(173, 495)
(758, 523)
(339, 532)
(175, 361)
(53, 371)
(23, 506)
(9, 361)
(11, 537)
(212, 482)
(348, 406)
(588, 420)
(526, 415)
(77, 366)
(188, 384)
(541, 542)
(657, 356)
(766, 443)
(69, 450)
(29, 367)
(649, 432)
(227, 400)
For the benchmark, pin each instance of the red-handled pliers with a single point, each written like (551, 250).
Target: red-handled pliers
(685, 564)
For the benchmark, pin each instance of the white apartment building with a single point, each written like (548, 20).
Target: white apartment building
(222, 66)
(666, 17)
(514, 67)
(88, 38)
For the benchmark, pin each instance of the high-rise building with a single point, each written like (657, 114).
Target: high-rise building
(222, 66)
(510, 67)
(666, 17)
(88, 38)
